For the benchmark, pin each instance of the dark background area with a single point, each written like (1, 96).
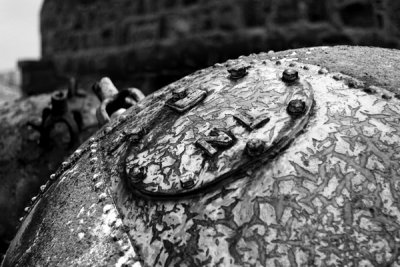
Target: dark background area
(149, 43)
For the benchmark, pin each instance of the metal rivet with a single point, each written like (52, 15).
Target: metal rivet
(323, 71)
(93, 160)
(78, 152)
(255, 147)
(93, 146)
(43, 188)
(21, 219)
(52, 177)
(122, 118)
(33, 199)
(292, 64)
(108, 129)
(387, 97)
(27, 209)
(187, 181)
(138, 174)
(290, 75)
(64, 164)
(278, 62)
(370, 90)
(237, 73)
(93, 151)
(92, 139)
(296, 107)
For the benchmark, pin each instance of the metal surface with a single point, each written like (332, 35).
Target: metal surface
(60, 112)
(321, 190)
(170, 150)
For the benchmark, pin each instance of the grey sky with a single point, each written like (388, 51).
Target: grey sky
(19, 31)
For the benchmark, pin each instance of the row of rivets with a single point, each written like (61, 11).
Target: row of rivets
(74, 158)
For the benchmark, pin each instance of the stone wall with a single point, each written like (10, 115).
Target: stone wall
(152, 42)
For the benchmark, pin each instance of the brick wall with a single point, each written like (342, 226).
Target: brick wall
(152, 42)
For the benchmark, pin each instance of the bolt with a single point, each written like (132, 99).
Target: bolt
(27, 209)
(122, 118)
(93, 146)
(43, 188)
(237, 73)
(255, 147)
(290, 75)
(296, 107)
(138, 174)
(52, 177)
(108, 129)
(64, 164)
(34, 199)
(323, 71)
(187, 181)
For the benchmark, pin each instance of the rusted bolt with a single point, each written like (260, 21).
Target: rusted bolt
(187, 181)
(237, 73)
(290, 75)
(255, 147)
(296, 107)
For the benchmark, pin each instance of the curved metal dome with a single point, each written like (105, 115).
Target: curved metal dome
(275, 159)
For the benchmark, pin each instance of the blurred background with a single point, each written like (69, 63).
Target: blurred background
(47, 45)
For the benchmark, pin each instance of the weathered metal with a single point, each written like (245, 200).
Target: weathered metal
(114, 102)
(27, 157)
(260, 172)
